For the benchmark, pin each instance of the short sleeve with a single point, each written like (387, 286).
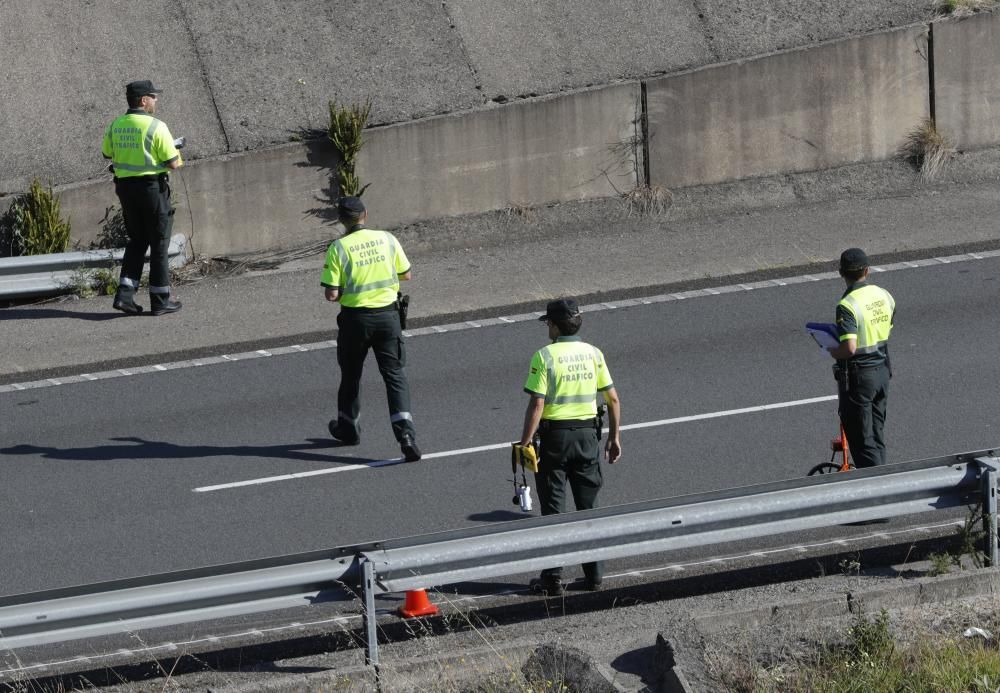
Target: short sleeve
(847, 323)
(332, 271)
(106, 149)
(538, 376)
(402, 262)
(164, 151)
(604, 381)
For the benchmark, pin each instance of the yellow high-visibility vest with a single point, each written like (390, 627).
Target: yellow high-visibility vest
(872, 308)
(568, 374)
(364, 266)
(138, 145)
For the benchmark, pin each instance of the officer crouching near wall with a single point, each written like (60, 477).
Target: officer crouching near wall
(142, 150)
(564, 380)
(362, 272)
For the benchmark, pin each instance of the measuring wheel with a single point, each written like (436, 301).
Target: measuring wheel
(838, 444)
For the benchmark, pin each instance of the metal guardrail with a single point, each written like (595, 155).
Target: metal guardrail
(32, 276)
(515, 547)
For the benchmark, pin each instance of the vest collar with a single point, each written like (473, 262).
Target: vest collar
(569, 338)
(356, 227)
(861, 283)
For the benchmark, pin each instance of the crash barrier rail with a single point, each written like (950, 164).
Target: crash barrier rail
(32, 276)
(516, 547)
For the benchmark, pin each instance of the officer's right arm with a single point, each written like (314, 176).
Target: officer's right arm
(164, 148)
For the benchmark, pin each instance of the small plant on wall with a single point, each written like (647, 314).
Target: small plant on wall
(34, 224)
(347, 123)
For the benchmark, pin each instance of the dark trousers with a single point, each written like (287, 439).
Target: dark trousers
(149, 220)
(359, 331)
(863, 397)
(573, 456)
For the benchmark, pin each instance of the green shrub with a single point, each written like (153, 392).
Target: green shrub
(347, 123)
(35, 223)
(113, 233)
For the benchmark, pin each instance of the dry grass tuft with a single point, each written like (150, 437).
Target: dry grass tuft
(927, 149)
(519, 212)
(963, 8)
(648, 200)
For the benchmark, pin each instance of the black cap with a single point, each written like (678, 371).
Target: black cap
(142, 87)
(351, 207)
(561, 309)
(853, 260)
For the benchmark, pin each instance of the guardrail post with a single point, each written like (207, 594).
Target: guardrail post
(371, 632)
(990, 467)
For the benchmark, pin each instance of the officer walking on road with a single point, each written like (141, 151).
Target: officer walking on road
(563, 383)
(865, 316)
(362, 272)
(141, 150)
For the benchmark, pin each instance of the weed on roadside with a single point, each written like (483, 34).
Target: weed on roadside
(964, 8)
(647, 200)
(927, 150)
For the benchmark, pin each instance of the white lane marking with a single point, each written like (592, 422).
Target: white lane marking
(501, 446)
(513, 319)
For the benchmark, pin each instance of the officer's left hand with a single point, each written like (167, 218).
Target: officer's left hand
(613, 450)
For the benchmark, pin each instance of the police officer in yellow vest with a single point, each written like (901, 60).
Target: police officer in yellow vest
(362, 272)
(864, 320)
(142, 150)
(563, 383)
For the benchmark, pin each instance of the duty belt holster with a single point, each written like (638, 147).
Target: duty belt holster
(164, 181)
(402, 307)
(843, 378)
(572, 425)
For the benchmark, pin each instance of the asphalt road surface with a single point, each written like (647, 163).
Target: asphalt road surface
(145, 474)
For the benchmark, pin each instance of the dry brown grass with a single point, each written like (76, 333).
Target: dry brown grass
(963, 8)
(927, 149)
(647, 200)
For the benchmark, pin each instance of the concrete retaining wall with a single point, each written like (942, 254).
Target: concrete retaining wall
(967, 79)
(562, 148)
(570, 147)
(839, 103)
(237, 81)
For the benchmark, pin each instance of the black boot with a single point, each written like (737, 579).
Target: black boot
(168, 306)
(126, 304)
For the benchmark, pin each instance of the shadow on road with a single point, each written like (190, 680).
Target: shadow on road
(135, 448)
(39, 313)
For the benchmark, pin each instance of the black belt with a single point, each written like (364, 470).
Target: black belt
(566, 424)
(380, 309)
(147, 180)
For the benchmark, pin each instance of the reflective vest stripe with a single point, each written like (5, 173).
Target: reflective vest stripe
(359, 288)
(345, 261)
(572, 399)
(550, 369)
(147, 144)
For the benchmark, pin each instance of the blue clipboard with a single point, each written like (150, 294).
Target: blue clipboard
(824, 333)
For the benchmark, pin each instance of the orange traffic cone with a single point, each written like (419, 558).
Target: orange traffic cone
(417, 604)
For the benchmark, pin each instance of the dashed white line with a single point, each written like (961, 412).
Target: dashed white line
(500, 446)
(513, 319)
